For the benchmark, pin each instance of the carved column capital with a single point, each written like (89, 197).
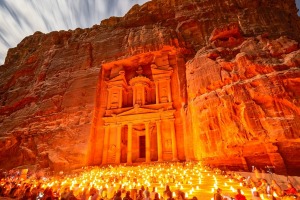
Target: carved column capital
(106, 125)
(147, 123)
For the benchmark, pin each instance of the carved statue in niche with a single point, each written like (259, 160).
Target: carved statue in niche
(112, 153)
(112, 148)
(114, 100)
(168, 144)
(164, 95)
(139, 97)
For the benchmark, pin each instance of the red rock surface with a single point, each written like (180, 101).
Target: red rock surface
(238, 77)
(244, 103)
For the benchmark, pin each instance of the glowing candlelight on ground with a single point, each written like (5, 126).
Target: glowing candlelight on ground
(253, 189)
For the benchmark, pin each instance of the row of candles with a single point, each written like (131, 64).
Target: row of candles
(190, 178)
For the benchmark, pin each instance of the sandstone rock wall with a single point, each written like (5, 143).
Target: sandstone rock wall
(238, 93)
(244, 102)
(47, 102)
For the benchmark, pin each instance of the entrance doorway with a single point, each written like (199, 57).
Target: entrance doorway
(142, 146)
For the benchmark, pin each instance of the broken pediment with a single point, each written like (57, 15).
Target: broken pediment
(160, 72)
(118, 80)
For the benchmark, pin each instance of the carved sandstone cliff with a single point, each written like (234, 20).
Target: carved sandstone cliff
(244, 101)
(239, 88)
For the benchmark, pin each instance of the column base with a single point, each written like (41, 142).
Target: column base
(175, 159)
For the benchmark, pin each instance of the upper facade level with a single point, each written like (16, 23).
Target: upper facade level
(147, 86)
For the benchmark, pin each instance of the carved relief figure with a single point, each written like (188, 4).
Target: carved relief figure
(168, 144)
(112, 153)
(164, 95)
(114, 100)
(139, 97)
(112, 148)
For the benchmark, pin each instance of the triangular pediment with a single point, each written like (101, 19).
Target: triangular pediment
(161, 71)
(138, 110)
(120, 77)
(118, 80)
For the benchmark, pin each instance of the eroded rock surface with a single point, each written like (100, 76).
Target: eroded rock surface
(244, 101)
(239, 90)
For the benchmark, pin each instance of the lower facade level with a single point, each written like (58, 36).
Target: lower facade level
(139, 140)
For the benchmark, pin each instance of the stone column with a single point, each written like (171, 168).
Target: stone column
(109, 98)
(169, 90)
(120, 98)
(134, 95)
(174, 144)
(156, 92)
(159, 143)
(143, 95)
(118, 148)
(129, 144)
(105, 146)
(148, 159)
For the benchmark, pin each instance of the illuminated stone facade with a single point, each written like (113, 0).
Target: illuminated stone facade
(234, 89)
(139, 102)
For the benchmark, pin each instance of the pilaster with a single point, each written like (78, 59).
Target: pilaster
(148, 159)
(174, 143)
(118, 148)
(105, 146)
(159, 142)
(129, 144)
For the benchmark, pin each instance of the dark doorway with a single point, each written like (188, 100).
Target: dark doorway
(142, 143)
